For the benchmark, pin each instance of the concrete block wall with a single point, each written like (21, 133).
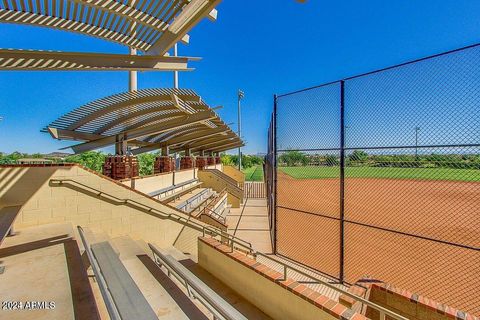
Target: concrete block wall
(44, 203)
(236, 174)
(266, 289)
(210, 180)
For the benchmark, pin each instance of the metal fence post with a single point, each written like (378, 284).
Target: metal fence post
(342, 181)
(275, 173)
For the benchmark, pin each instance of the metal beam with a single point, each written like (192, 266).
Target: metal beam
(131, 115)
(212, 144)
(113, 105)
(179, 139)
(61, 134)
(145, 131)
(32, 60)
(191, 15)
(202, 144)
(227, 146)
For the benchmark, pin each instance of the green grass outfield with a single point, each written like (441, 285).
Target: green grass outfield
(385, 173)
(254, 173)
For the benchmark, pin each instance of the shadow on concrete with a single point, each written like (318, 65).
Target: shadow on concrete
(182, 300)
(84, 305)
(230, 296)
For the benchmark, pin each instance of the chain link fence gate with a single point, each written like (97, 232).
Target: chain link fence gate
(379, 175)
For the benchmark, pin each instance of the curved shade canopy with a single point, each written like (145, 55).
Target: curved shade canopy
(147, 119)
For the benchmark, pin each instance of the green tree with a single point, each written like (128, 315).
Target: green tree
(358, 156)
(145, 163)
(293, 158)
(90, 159)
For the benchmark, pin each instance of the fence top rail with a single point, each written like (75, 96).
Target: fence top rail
(380, 70)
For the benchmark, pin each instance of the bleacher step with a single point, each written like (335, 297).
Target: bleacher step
(137, 261)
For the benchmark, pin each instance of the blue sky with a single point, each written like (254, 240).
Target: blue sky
(263, 47)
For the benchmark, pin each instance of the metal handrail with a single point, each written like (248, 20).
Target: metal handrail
(208, 302)
(102, 284)
(214, 214)
(206, 230)
(383, 311)
(196, 198)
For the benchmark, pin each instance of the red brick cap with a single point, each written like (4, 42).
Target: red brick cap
(326, 304)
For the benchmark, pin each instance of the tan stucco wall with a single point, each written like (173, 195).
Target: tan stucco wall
(210, 180)
(151, 183)
(218, 166)
(43, 204)
(234, 173)
(209, 220)
(265, 294)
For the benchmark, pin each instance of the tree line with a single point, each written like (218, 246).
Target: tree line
(364, 159)
(95, 159)
(248, 161)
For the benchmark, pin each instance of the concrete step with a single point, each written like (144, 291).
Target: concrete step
(161, 293)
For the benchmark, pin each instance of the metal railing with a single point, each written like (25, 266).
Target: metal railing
(214, 215)
(186, 206)
(102, 284)
(195, 290)
(205, 210)
(233, 241)
(206, 230)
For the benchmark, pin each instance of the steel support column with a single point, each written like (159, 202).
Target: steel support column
(274, 205)
(342, 181)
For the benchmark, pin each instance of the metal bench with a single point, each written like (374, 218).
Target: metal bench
(193, 202)
(220, 308)
(7, 217)
(183, 186)
(123, 298)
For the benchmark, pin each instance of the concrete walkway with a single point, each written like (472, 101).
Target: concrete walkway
(250, 222)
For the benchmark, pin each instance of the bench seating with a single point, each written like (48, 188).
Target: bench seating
(184, 187)
(171, 188)
(202, 292)
(195, 201)
(7, 217)
(129, 300)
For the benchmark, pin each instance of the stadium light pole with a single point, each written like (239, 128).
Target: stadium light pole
(416, 141)
(240, 96)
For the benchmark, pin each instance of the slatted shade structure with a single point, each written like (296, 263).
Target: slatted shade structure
(147, 119)
(151, 26)
(14, 59)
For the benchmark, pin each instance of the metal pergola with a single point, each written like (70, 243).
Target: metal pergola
(152, 27)
(139, 120)
(173, 120)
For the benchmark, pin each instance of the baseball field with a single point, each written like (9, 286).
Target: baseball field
(406, 226)
(254, 173)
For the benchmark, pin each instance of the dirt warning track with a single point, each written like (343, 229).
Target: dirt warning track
(390, 228)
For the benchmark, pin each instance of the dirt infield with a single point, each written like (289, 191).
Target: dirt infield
(443, 210)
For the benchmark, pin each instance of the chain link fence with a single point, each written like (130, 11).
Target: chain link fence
(378, 175)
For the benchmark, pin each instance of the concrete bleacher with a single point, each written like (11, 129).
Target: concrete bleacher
(195, 201)
(175, 190)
